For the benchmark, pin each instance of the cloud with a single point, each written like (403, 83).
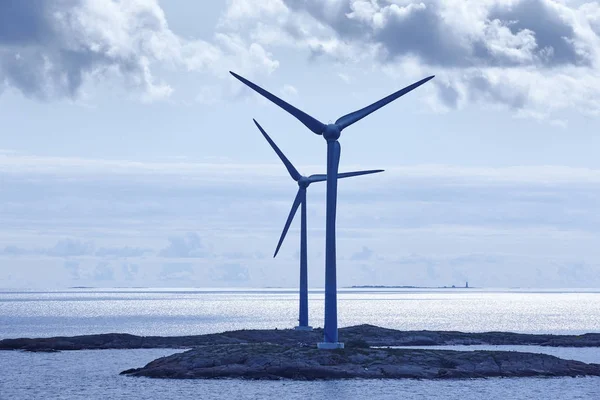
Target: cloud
(430, 224)
(554, 36)
(572, 274)
(537, 56)
(188, 246)
(289, 91)
(14, 251)
(103, 272)
(240, 255)
(14, 165)
(50, 49)
(129, 271)
(177, 272)
(489, 270)
(364, 254)
(73, 268)
(70, 248)
(121, 252)
(34, 170)
(231, 272)
(443, 33)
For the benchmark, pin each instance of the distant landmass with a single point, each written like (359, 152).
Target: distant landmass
(407, 287)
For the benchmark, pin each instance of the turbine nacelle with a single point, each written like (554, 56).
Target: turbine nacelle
(331, 132)
(303, 182)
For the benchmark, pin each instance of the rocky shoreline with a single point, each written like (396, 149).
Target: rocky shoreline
(271, 361)
(371, 335)
(290, 354)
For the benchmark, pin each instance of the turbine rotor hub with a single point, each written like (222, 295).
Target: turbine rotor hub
(303, 182)
(331, 132)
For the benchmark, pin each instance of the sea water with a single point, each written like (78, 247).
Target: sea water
(93, 374)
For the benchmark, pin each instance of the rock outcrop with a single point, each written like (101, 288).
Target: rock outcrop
(290, 354)
(372, 335)
(273, 361)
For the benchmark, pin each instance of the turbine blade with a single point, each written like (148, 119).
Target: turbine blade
(289, 221)
(293, 171)
(322, 177)
(317, 178)
(356, 116)
(358, 173)
(310, 122)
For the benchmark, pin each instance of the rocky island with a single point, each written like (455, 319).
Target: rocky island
(273, 361)
(290, 354)
(370, 334)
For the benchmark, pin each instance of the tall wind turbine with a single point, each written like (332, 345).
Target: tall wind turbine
(303, 183)
(331, 133)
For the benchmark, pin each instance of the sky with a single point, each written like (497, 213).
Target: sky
(128, 155)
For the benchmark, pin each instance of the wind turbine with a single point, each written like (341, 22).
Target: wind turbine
(331, 133)
(303, 183)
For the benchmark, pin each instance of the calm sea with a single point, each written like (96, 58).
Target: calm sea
(94, 374)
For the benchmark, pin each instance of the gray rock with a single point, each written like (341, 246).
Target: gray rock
(372, 335)
(269, 361)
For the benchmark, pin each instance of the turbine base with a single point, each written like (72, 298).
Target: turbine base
(303, 328)
(330, 345)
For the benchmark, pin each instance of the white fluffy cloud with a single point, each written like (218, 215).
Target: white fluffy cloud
(50, 49)
(534, 56)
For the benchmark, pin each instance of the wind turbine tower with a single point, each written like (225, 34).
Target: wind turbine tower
(300, 200)
(331, 133)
